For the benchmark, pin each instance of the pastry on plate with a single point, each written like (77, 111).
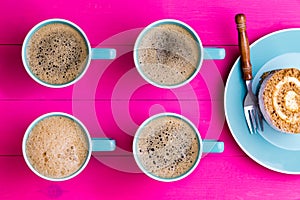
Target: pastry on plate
(279, 99)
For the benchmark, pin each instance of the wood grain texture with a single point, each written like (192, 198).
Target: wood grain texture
(103, 78)
(217, 177)
(16, 116)
(111, 96)
(240, 20)
(100, 19)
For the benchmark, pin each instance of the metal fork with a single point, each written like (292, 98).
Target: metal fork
(251, 110)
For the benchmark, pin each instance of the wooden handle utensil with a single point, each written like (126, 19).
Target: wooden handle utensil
(240, 20)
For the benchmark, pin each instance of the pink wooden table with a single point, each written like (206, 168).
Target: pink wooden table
(112, 100)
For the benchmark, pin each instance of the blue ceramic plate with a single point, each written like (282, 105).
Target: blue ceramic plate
(265, 151)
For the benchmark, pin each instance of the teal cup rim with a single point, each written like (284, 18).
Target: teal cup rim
(32, 125)
(135, 151)
(32, 32)
(186, 27)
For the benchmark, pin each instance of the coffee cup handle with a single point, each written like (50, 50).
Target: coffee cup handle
(214, 53)
(103, 144)
(212, 146)
(103, 53)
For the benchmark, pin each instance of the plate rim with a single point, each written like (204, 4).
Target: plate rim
(225, 102)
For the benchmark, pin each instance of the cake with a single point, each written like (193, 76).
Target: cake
(279, 99)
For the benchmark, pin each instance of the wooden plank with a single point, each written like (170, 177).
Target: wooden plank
(114, 119)
(111, 80)
(220, 177)
(17, 115)
(213, 20)
(231, 175)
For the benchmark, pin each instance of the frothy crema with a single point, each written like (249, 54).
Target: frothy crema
(167, 147)
(57, 53)
(57, 147)
(168, 54)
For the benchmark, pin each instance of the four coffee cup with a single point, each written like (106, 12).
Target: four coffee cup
(168, 54)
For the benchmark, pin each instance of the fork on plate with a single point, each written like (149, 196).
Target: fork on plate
(251, 110)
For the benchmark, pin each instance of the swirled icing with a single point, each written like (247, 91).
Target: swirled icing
(290, 99)
(279, 100)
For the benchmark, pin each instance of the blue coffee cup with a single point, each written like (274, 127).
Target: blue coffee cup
(203, 53)
(204, 146)
(93, 145)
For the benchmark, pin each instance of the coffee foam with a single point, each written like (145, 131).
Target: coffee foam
(167, 147)
(57, 53)
(57, 147)
(168, 54)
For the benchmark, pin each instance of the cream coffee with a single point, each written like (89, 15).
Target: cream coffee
(57, 147)
(168, 54)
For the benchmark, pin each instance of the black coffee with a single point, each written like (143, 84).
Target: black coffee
(167, 147)
(57, 53)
